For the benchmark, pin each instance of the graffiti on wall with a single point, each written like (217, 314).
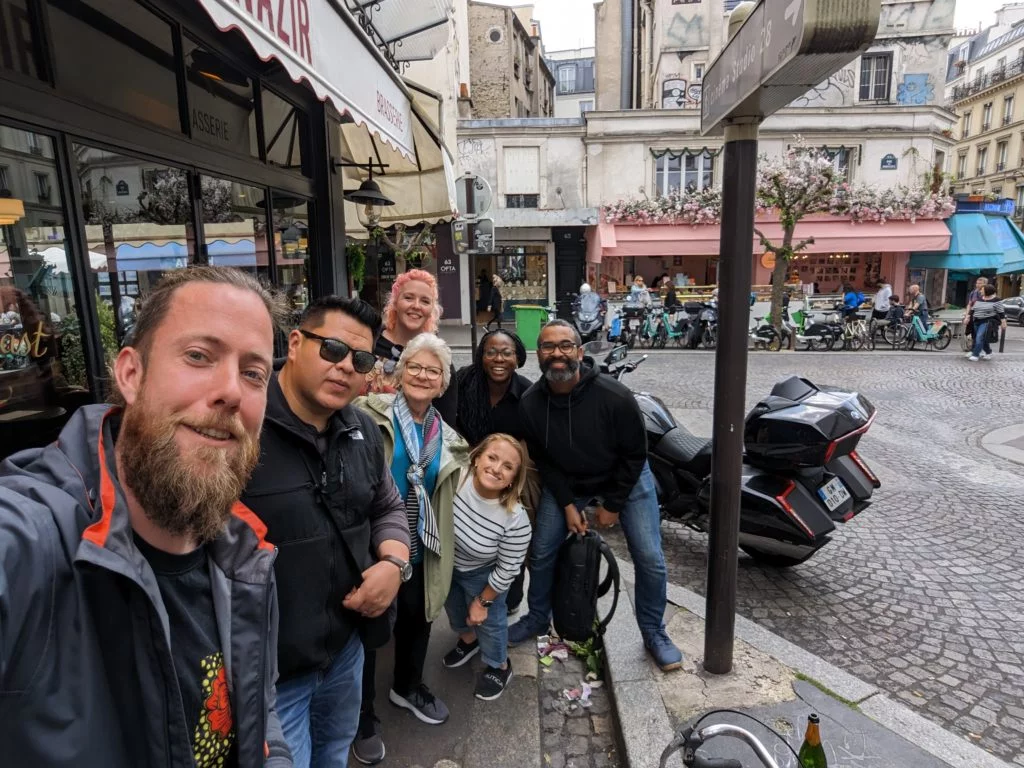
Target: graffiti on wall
(685, 31)
(836, 91)
(678, 93)
(915, 90)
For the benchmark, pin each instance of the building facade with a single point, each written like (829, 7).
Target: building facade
(574, 81)
(511, 78)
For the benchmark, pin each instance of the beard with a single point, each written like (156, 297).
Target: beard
(572, 365)
(184, 495)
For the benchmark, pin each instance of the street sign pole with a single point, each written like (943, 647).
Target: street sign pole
(470, 213)
(775, 54)
(736, 253)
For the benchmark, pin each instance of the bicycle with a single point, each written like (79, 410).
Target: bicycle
(650, 330)
(855, 335)
(937, 334)
(689, 739)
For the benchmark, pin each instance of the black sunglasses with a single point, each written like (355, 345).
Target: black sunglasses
(336, 350)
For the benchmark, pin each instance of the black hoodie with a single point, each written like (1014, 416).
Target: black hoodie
(590, 442)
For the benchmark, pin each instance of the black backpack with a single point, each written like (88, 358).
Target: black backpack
(578, 586)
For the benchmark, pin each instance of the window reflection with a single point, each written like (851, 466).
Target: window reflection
(43, 374)
(17, 45)
(138, 226)
(235, 226)
(291, 244)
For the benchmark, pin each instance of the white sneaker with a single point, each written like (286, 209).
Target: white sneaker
(985, 355)
(972, 358)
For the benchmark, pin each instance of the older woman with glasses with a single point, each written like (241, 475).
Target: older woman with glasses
(427, 458)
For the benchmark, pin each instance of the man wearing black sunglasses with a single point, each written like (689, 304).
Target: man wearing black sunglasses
(325, 492)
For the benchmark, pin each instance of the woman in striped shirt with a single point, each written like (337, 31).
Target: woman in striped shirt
(492, 535)
(985, 313)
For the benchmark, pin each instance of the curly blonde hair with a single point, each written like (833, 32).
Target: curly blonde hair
(391, 311)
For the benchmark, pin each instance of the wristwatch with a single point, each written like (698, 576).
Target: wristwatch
(484, 603)
(404, 568)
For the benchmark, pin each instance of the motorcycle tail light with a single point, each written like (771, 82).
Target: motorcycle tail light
(862, 465)
(783, 499)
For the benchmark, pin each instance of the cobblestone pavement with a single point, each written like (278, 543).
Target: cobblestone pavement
(922, 593)
(574, 736)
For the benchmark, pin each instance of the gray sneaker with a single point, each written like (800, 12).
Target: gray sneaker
(368, 748)
(421, 702)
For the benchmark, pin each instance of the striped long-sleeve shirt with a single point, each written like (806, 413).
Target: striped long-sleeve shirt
(487, 534)
(986, 309)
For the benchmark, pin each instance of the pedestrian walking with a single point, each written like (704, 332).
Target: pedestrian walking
(326, 495)
(988, 316)
(492, 535)
(138, 608)
(495, 302)
(883, 298)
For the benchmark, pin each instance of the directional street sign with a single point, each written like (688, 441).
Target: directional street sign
(783, 49)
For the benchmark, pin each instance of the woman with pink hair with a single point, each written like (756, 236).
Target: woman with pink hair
(413, 308)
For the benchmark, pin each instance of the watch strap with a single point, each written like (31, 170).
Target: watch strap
(399, 563)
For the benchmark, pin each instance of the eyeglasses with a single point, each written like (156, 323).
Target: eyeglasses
(336, 350)
(566, 347)
(504, 354)
(429, 372)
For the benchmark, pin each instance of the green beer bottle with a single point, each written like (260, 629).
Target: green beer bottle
(812, 754)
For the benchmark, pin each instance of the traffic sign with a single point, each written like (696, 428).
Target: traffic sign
(483, 236)
(460, 235)
(474, 195)
(783, 49)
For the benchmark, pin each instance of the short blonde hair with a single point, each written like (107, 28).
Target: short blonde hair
(428, 342)
(511, 495)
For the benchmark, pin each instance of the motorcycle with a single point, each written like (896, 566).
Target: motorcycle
(709, 325)
(689, 319)
(801, 477)
(588, 316)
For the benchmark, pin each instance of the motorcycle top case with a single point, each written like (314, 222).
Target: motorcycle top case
(803, 425)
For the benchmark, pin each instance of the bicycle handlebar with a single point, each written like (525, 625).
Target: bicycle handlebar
(690, 740)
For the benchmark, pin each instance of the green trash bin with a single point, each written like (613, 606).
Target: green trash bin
(529, 319)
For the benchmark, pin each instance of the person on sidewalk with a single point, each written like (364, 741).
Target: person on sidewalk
(883, 298)
(324, 490)
(492, 535)
(138, 608)
(917, 303)
(987, 315)
(427, 458)
(489, 393)
(413, 308)
(495, 303)
(979, 286)
(586, 433)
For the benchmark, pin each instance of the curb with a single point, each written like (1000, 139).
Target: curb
(646, 728)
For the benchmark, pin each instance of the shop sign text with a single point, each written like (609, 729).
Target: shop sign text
(290, 25)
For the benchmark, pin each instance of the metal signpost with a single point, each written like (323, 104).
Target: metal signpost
(470, 233)
(783, 49)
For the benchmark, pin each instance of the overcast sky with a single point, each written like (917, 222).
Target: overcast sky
(570, 23)
(563, 23)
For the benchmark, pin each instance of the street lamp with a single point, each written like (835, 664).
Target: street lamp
(369, 200)
(11, 208)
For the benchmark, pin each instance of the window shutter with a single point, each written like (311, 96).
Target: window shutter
(522, 170)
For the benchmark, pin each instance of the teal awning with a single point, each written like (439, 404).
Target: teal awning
(976, 242)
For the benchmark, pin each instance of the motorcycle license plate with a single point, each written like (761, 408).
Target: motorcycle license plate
(834, 494)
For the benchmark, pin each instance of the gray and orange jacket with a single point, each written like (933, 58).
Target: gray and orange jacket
(86, 674)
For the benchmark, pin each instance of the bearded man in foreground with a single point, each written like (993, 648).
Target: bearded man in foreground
(138, 614)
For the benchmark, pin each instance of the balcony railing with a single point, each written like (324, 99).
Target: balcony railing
(986, 126)
(981, 171)
(1007, 119)
(980, 84)
(1000, 167)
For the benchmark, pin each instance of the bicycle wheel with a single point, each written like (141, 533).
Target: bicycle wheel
(853, 342)
(660, 337)
(773, 343)
(710, 339)
(820, 343)
(943, 338)
(894, 334)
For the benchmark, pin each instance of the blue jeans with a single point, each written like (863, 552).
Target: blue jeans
(641, 522)
(320, 711)
(981, 338)
(493, 633)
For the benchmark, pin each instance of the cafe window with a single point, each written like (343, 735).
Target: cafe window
(292, 247)
(524, 271)
(43, 372)
(285, 131)
(133, 240)
(235, 226)
(221, 109)
(18, 50)
(118, 54)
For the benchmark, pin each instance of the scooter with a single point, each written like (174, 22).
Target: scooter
(801, 477)
(588, 313)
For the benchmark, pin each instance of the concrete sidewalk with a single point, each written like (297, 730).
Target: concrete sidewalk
(772, 680)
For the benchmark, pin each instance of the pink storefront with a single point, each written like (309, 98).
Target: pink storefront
(842, 251)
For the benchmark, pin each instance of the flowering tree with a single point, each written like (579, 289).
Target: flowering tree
(801, 182)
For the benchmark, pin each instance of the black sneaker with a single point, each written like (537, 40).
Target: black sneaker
(422, 703)
(368, 747)
(493, 681)
(460, 654)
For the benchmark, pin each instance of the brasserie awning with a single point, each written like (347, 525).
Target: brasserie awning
(321, 44)
(977, 241)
